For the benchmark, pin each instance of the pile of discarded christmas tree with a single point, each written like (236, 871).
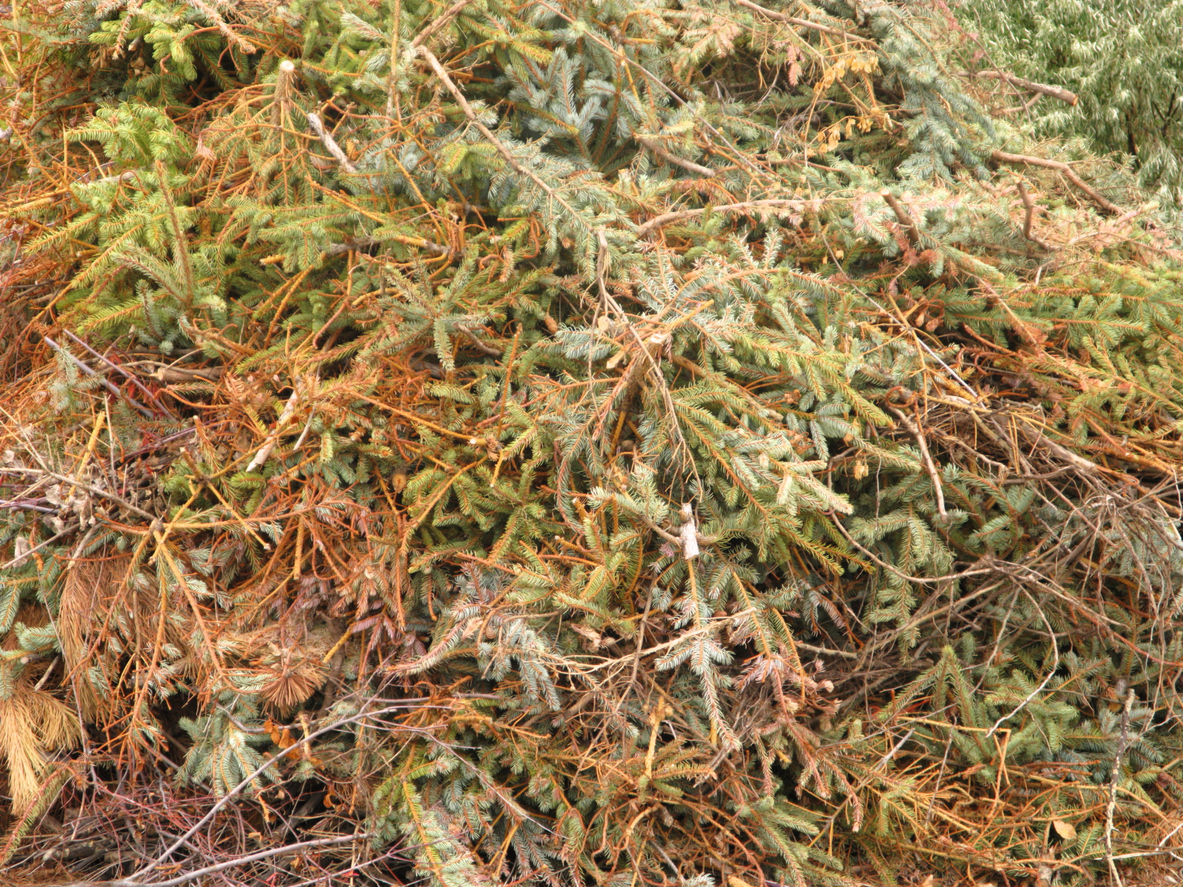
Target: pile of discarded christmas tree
(575, 442)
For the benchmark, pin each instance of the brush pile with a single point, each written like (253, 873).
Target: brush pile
(561, 442)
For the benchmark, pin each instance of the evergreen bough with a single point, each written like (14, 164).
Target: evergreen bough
(574, 442)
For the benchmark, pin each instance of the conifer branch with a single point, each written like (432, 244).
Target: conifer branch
(668, 218)
(661, 152)
(926, 457)
(529, 410)
(330, 143)
(1095, 196)
(901, 214)
(232, 37)
(1056, 92)
(1029, 215)
(801, 22)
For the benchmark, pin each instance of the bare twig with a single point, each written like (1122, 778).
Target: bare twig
(1038, 437)
(357, 243)
(1051, 633)
(139, 407)
(19, 559)
(689, 532)
(90, 488)
(439, 21)
(117, 368)
(1029, 215)
(232, 37)
(235, 862)
(364, 714)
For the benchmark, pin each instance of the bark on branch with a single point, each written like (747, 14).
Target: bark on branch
(901, 214)
(1056, 92)
(1093, 194)
(801, 22)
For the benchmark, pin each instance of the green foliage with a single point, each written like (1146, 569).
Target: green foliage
(588, 442)
(1122, 60)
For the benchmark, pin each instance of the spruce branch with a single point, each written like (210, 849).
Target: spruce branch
(1056, 92)
(265, 451)
(901, 214)
(802, 22)
(660, 221)
(232, 37)
(330, 143)
(926, 457)
(1094, 195)
(689, 165)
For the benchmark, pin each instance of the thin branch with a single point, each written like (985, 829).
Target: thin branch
(1029, 216)
(139, 407)
(330, 143)
(668, 218)
(439, 21)
(665, 155)
(1056, 92)
(117, 368)
(901, 214)
(1051, 633)
(1093, 194)
(802, 22)
(251, 777)
(358, 243)
(926, 457)
(689, 532)
(237, 861)
(90, 488)
(1115, 778)
(232, 37)
(265, 451)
